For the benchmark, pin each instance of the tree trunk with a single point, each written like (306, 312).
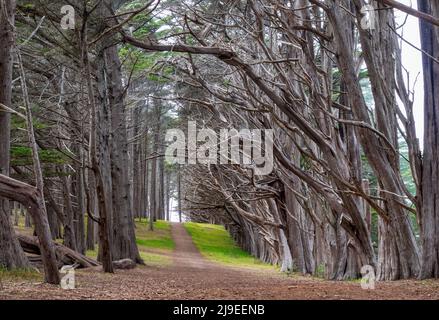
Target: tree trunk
(179, 193)
(11, 255)
(124, 241)
(429, 216)
(39, 213)
(69, 228)
(31, 197)
(101, 163)
(92, 208)
(155, 181)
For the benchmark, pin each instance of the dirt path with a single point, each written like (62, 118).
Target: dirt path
(186, 255)
(192, 277)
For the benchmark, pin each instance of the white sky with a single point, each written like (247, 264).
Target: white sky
(412, 61)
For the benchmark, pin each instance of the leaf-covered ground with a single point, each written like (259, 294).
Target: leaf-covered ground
(191, 276)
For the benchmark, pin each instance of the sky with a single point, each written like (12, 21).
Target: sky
(412, 61)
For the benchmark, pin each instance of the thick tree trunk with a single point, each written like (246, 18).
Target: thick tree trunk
(101, 163)
(429, 216)
(124, 240)
(11, 255)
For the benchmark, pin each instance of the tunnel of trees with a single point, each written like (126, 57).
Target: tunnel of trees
(88, 90)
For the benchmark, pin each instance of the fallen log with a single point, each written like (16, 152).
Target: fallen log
(64, 255)
(124, 264)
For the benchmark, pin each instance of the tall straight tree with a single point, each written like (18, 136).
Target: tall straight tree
(114, 140)
(124, 239)
(429, 216)
(11, 254)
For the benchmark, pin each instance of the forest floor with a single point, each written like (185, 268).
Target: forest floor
(191, 276)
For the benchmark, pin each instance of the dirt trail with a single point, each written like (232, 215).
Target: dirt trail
(192, 277)
(186, 255)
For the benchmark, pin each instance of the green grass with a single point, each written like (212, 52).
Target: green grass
(20, 274)
(155, 259)
(160, 238)
(92, 253)
(215, 243)
(154, 246)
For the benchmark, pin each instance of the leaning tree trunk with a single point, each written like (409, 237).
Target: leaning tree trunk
(11, 255)
(32, 198)
(39, 213)
(384, 162)
(430, 174)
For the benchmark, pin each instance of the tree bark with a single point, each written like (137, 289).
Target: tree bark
(429, 216)
(124, 241)
(11, 255)
(31, 198)
(69, 228)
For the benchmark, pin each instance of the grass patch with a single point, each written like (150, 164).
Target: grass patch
(20, 274)
(215, 243)
(92, 253)
(155, 259)
(154, 246)
(160, 238)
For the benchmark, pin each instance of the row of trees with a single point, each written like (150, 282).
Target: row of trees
(306, 70)
(96, 142)
(334, 92)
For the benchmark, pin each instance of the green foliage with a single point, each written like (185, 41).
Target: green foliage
(22, 156)
(139, 61)
(215, 243)
(20, 123)
(149, 29)
(320, 271)
(29, 5)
